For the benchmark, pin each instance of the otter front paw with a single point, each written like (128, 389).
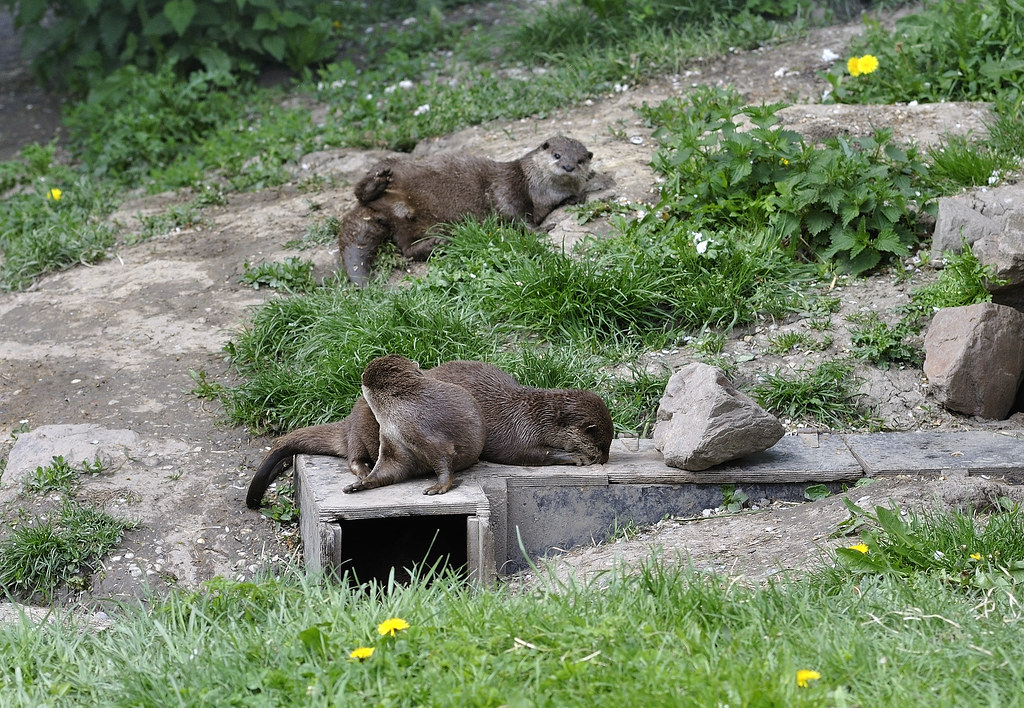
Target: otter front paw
(444, 484)
(373, 185)
(355, 487)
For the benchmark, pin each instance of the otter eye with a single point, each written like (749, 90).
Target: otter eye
(556, 156)
(580, 161)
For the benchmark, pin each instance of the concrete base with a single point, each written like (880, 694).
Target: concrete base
(498, 518)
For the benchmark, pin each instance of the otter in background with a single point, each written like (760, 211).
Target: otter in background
(404, 199)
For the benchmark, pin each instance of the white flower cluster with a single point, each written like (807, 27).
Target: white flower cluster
(701, 242)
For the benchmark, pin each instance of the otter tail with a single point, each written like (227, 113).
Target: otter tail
(326, 439)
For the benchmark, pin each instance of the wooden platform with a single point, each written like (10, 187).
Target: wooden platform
(513, 514)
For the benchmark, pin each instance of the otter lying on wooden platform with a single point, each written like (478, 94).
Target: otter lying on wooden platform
(524, 426)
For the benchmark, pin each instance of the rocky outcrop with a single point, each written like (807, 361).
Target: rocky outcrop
(973, 215)
(991, 222)
(1003, 250)
(703, 420)
(974, 358)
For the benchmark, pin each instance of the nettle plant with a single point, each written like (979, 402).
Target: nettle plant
(854, 202)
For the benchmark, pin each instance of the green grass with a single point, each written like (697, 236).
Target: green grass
(917, 637)
(880, 343)
(826, 395)
(60, 475)
(293, 275)
(505, 295)
(57, 550)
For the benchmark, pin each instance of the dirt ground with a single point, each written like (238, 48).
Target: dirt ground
(111, 345)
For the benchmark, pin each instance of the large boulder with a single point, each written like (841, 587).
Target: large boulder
(974, 358)
(1003, 250)
(972, 216)
(703, 420)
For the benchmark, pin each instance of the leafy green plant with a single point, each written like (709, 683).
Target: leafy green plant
(825, 395)
(293, 275)
(40, 557)
(282, 507)
(205, 388)
(149, 120)
(953, 546)
(177, 216)
(733, 498)
(73, 42)
(318, 233)
(852, 201)
(816, 492)
(59, 476)
(880, 343)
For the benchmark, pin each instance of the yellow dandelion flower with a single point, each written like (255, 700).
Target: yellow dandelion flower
(862, 65)
(867, 63)
(859, 547)
(391, 626)
(805, 675)
(976, 556)
(361, 653)
(54, 194)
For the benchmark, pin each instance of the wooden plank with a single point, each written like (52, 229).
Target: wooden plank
(326, 477)
(789, 460)
(976, 452)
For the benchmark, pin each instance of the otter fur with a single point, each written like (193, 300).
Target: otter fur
(356, 437)
(533, 426)
(425, 425)
(402, 200)
(524, 426)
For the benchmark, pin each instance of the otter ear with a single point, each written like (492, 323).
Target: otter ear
(590, 155)
(545, 146)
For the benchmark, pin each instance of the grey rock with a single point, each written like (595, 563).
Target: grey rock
(703, 420)
(75, 443)
(974, 358)
(972, 216)
(1003, 250)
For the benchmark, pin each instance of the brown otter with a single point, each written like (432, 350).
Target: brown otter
(425, 425)
(533, 426)
(525, 426)
(404, 199)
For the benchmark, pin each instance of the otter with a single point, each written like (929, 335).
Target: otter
(524, 426)
(533, 426)
(405, 199)
(425, 425)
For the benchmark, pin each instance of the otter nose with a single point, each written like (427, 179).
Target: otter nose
(569, 168)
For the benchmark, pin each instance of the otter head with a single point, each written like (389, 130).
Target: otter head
(567, 155)
(390, 374)
(585, 426)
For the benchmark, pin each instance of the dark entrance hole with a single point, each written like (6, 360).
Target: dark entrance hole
(370, 548)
